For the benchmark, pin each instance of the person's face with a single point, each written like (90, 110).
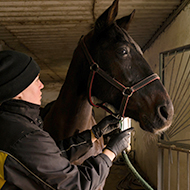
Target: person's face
(32, 93)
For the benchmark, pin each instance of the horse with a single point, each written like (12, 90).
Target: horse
(108, 66)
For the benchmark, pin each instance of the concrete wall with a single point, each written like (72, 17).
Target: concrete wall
(176, 35)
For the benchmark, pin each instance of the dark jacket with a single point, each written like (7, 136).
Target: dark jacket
(30, 159)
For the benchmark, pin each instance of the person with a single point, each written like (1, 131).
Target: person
(29, 158)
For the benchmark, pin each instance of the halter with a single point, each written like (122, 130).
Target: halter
(126, 91)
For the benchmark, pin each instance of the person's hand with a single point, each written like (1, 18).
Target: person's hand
(119, 142)
(105, 126)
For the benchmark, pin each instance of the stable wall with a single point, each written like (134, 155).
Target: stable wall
(177, 34)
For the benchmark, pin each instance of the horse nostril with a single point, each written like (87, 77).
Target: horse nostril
(163, 112)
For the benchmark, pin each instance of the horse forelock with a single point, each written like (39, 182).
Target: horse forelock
(114, 34)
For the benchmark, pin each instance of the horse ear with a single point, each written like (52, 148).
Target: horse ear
(107, 18)
(124, 22)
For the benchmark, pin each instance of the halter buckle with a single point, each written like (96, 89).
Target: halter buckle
(128, 91)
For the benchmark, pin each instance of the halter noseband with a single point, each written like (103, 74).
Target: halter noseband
(126, 91)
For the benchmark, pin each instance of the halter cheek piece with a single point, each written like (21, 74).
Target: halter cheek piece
(126, 91)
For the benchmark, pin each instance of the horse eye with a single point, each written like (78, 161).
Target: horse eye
(122, 51)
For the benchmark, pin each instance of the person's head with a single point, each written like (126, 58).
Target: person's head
(19, 77)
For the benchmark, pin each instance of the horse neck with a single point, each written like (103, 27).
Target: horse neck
(76, 110)
(75, 113)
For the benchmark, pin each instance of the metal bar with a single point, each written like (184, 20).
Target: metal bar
(160, 172)
(187, 89)
(178, 91)
(176, 78)
(178, 165)
(180, 87)
(177, 123)
(175, 133)
(177, 127)
(160, 184)
(161, 71)
(180, 49)
(165, 66)
(171, 76)
(183, 112)
(169, 158)
(173, 129)
(187, 171)
(173, 147)
(179, 94)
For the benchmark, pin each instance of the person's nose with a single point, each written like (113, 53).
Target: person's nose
(41, 85)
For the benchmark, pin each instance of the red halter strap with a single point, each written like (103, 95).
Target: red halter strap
(126, 91)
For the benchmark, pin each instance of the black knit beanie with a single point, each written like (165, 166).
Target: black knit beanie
(17, 72)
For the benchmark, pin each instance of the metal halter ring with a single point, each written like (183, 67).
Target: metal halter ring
(94, 67)
(128, 91)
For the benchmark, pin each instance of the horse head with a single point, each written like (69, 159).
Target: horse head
(112, 51)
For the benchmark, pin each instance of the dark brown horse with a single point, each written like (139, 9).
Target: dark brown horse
(107, 64)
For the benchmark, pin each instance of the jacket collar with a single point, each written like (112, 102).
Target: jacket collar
(26, 109)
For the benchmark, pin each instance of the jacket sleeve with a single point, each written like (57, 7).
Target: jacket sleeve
(38, 152)
(76, 146)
